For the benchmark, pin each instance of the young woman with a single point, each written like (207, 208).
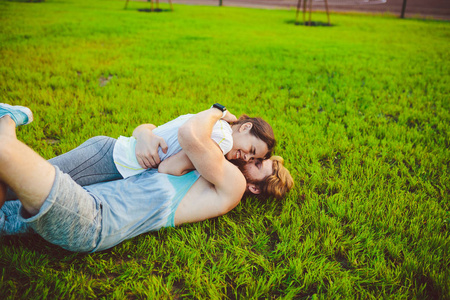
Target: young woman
(243, 139)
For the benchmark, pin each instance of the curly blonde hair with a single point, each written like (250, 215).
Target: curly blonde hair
(279, 183)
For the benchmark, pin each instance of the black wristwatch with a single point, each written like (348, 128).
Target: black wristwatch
(220, 107)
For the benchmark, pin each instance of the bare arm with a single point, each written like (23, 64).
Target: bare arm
(147, 144)
(195, 139)
(178, 164)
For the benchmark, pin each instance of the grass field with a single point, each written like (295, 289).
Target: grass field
(361, 112)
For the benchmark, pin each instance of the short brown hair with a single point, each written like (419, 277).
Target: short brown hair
(260, 129)
(279, 183)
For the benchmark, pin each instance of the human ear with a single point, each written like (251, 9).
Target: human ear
(245, 127)
(254, 189)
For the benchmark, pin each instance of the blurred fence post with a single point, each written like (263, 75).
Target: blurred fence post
(403, 9)
(299, 4)
(220, 2)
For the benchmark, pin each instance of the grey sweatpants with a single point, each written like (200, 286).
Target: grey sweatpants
(89, 163)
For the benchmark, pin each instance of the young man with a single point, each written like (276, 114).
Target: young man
(100, 216)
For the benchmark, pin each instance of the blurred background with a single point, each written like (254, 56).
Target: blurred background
(436, 9)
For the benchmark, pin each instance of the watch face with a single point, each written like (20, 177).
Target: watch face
(220, 106)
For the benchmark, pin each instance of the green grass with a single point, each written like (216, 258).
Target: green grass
(361, 112)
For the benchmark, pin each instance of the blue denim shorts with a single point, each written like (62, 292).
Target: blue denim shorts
(70, 217)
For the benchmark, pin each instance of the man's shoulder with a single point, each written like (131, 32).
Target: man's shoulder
(225, 195)
(234, 180)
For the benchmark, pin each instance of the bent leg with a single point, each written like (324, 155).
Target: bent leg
(91, 162)
(29, 175)
(9, 217)
(40, 192)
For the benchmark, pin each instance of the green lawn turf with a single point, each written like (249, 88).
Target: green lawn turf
(360, 111)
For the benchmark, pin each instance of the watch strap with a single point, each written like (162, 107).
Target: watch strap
(221, 108)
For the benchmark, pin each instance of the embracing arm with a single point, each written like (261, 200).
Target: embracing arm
(147, 144)
(195, 139)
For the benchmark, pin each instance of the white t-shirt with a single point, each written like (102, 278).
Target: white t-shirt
(125, 149)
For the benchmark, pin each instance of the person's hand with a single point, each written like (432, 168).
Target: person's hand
(147, 144)
(229, 117)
